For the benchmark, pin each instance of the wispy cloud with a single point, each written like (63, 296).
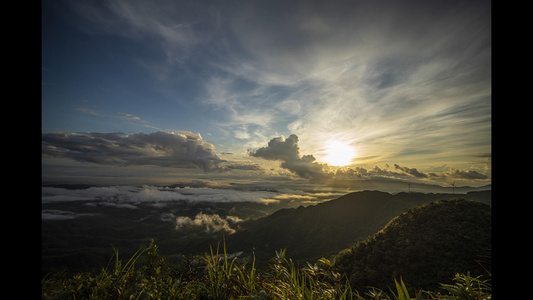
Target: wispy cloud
(164, 24)
(130, 117)
(135, 120)
(125, 117)
(382, 78)
(403, 82)
(383, 71)
(87, 111)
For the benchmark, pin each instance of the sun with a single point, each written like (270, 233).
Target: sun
(339, 154)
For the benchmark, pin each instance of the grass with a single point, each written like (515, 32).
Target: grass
(215, 276)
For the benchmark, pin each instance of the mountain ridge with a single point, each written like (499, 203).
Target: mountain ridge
(396, 185)
(425, 245)
(308, 233)
(326, 228)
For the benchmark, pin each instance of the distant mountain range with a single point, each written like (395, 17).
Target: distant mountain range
(384, 185)
(394, 186)
(324, 229)
(308, 233)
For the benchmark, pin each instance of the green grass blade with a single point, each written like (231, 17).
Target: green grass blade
(403, 294)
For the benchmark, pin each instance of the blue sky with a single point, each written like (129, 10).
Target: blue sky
(198, 88)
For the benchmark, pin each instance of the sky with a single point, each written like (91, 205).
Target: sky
(266, 93)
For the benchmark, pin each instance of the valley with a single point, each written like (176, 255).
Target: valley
(81, 235)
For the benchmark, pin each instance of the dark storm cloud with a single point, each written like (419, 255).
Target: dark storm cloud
(178, 150)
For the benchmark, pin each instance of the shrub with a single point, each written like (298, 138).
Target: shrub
(425, 245)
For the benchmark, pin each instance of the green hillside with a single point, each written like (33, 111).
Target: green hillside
(324, 229)
(308, 233)
(433, 243)
(424, 245)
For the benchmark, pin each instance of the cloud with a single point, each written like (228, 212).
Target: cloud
(241, 134)
(88, 111)
(132, 119)
(165, 25)
(442, 173)
(211, 223)
(129, 196)
(133, 197)
(178, 150)
(377, 74)
(126, 117)
(280, 148)
(241, 108)
(469, 174)
(411, 171)
(242, 166)
(288, 151)
(60, 215)
(459, 174)
(54, 194)
(306, 167)
(380, 76)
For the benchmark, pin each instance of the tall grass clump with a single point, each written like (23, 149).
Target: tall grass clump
(146, 275)
(228, 279)
(314, 281)
(149, 279)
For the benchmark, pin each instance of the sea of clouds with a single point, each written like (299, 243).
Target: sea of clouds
(135, 195)
(132, 197)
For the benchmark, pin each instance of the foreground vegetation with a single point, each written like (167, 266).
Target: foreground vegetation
(437, 250)
(426, 245)
(216, 275)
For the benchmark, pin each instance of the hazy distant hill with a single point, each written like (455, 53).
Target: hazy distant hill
(393, 186)
(323, 229)
(425, 245)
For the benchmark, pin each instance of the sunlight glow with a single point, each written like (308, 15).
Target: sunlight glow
(339, 154)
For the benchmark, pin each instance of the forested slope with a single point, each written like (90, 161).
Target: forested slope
(425, 245)
(324, 229)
